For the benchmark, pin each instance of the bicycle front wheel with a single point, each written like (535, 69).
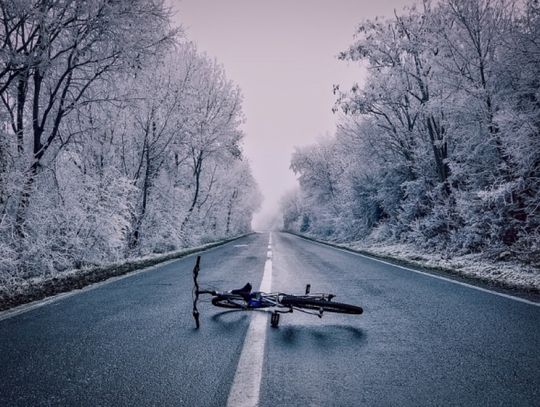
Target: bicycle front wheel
(229, 301)
(315, 304)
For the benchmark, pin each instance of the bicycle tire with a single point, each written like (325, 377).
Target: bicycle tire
(229, 301)
(313, 304)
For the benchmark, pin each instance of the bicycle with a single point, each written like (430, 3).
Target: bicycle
(279, 303)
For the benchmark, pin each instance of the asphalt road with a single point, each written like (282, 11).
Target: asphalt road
(421, 340)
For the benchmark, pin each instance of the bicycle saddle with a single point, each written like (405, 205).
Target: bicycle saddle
(245, 291)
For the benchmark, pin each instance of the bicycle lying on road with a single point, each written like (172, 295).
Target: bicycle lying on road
(275, 303)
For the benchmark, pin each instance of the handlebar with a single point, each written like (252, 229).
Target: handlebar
(196, 291)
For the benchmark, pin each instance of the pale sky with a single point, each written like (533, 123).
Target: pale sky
(282, 54)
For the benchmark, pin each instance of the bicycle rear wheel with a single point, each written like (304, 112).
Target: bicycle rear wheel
(229, 301)
(315, 304)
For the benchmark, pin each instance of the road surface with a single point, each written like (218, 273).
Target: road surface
(421, 340)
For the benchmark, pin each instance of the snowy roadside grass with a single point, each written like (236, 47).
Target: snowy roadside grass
(18, 291)
(510, 274)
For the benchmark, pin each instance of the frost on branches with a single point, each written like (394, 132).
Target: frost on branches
(115, 142)
(441, 146)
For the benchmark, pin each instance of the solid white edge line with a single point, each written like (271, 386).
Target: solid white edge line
(21, 309)
(511, 297)
(245, 390)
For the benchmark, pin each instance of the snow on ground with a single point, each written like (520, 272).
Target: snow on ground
(508, 273)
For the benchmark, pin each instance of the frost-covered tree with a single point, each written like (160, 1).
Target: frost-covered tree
(115, 142)
(54, 51)
(440, 146)
(213, 131)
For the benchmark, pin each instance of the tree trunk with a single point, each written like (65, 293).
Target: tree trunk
(440, 149)
(136, 235)
(22, 87)
(37, 153)
(197, 173)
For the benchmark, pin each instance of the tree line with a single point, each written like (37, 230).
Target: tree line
(118, 138)
(440, 145)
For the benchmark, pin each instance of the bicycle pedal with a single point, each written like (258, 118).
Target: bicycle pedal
(274, 320)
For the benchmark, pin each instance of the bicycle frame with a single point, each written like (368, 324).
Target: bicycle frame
(275, 303)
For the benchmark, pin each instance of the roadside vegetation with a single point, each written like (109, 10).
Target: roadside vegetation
(118, 138)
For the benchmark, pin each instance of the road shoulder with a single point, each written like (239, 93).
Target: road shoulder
(491, 282)
(41, 288)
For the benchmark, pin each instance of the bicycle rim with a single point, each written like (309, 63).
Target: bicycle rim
(229, 301)
(327, 306)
